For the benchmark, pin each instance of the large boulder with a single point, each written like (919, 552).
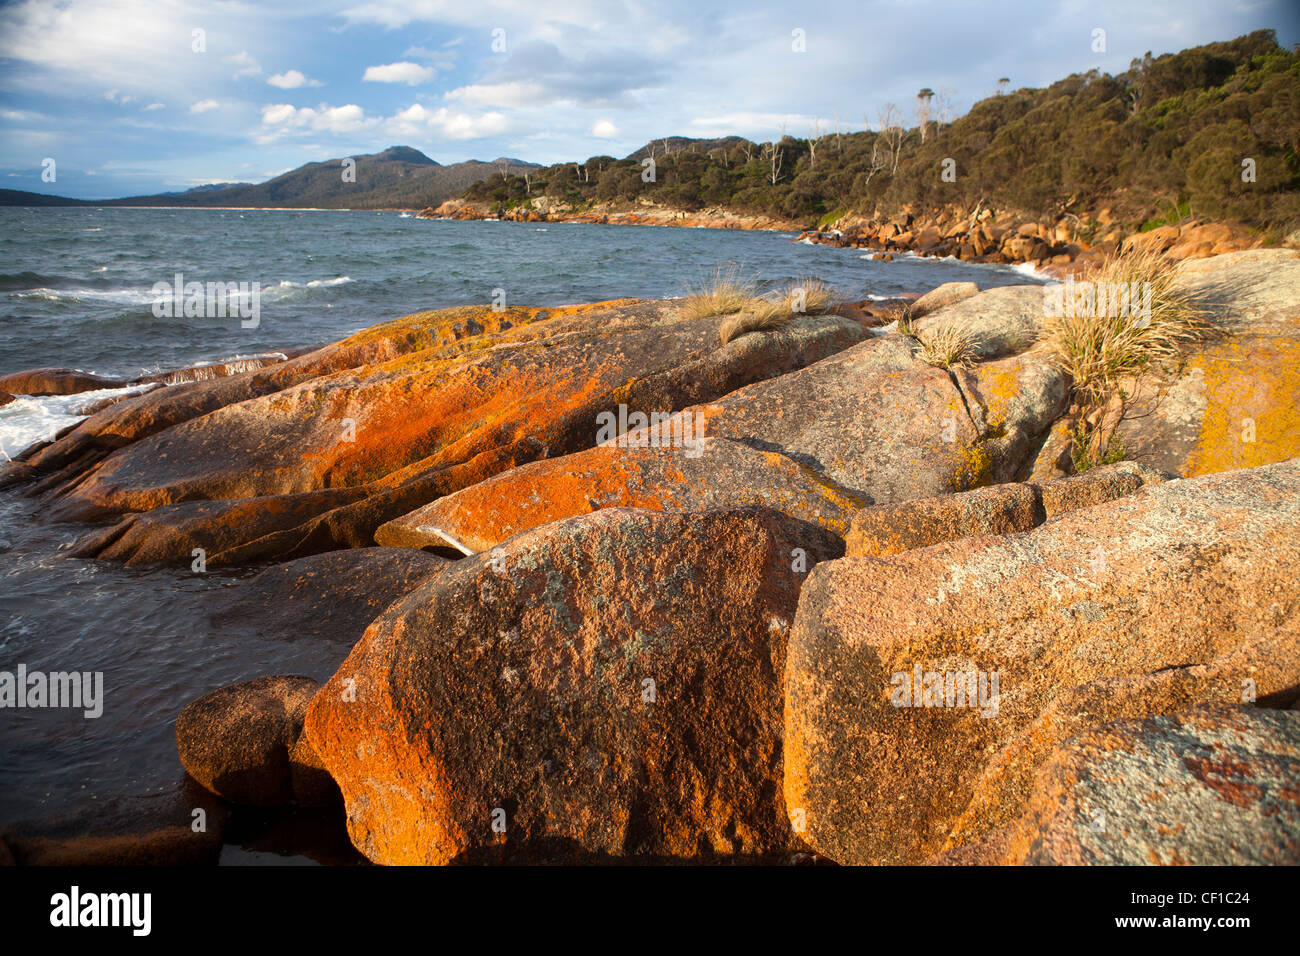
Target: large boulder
(237, 741)
(714, 473)
(607, 685)
(1235, 403)
(1209, 787)
(874, 423)
(877, 420)
(1182, 593)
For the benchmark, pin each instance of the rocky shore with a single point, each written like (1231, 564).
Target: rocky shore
(1065, 246)
(644, 213)
(820, 598)
(1068, 245)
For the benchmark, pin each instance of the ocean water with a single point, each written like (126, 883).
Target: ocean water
(78, 284)
(77, 292)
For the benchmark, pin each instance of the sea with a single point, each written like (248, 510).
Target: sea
(80, 289)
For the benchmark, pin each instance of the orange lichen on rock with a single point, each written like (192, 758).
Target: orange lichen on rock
(1252, 405)
(710, 473)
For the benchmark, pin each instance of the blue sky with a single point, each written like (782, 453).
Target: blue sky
(127, 100)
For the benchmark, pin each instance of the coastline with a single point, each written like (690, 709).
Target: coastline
(982, 237)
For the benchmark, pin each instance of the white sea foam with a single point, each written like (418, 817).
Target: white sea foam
(136, 296)
(145, 295)
(1029, 269)
(32, 418)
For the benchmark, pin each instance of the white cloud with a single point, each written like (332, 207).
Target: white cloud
(520, 93)
(417, 121)
(291, 80)
(403, 72)
(202, 106)
(247, 65)
(282, 118)
(604, 129)
(155, 106)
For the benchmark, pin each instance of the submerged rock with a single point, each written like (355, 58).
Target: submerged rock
(331, 597)
(181, 826)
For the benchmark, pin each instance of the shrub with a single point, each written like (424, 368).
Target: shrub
(1090, 447)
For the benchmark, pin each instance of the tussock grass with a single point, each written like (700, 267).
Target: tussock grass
(762, 316)
(807, 296)
(949, 345)
(730, 291)
(726, 291)
(1105, 351)
(1100, 351)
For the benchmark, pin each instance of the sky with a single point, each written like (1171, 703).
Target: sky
(130, 97)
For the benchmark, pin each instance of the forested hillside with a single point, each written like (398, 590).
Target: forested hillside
(1213, 131)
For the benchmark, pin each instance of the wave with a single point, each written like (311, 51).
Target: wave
(316, 283)
(103, 291)
(29, 419)
(136, 296)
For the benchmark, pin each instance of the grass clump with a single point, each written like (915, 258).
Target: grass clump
(1138, 320)
(949, 345)
(1107, 343)
(726, 291)
(807, 296)
(763, 315)
(729, 291)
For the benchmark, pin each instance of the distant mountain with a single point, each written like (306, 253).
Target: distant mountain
(20, 197)
(399, 177)
(209, 188)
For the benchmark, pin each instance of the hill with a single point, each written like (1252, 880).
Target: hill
(1162, 142)
(398, 177)
(20, 197)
